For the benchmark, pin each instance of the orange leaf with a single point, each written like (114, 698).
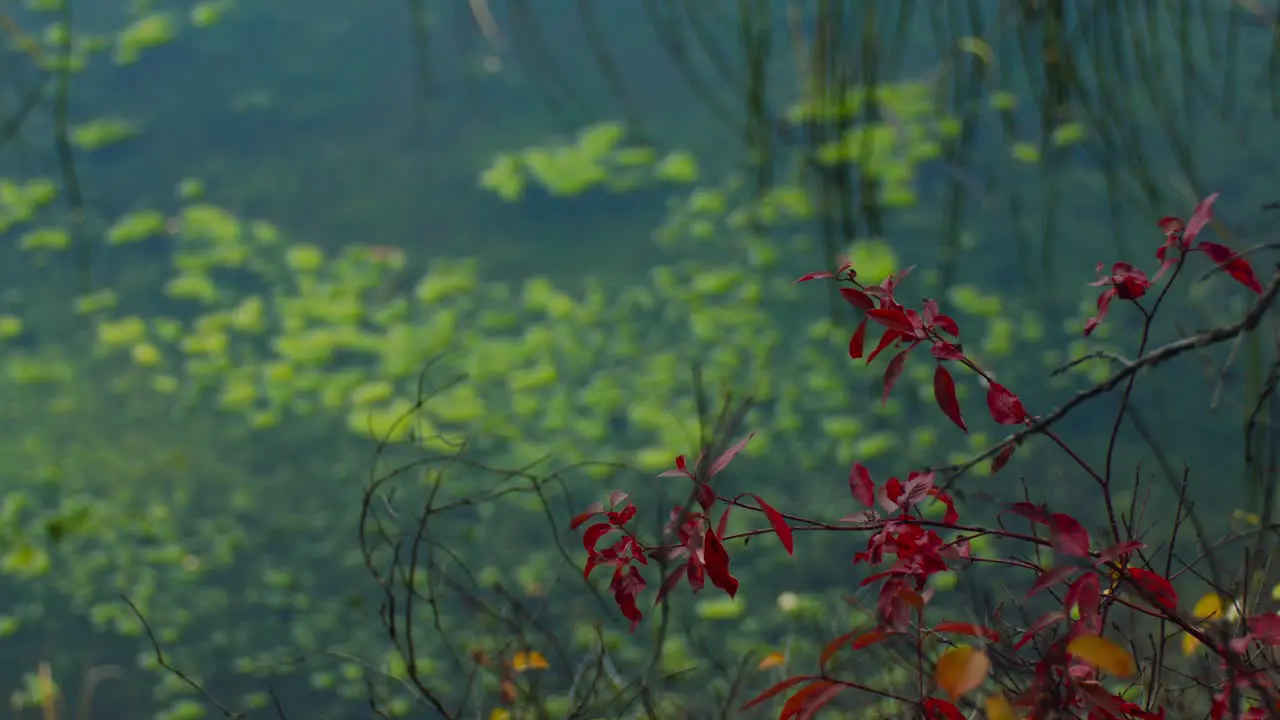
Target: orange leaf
(533, 660)
(961, 669)
(998, 708)
(1103, 654)
(772, 660)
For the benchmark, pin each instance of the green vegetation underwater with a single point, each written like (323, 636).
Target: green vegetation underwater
(319, 320)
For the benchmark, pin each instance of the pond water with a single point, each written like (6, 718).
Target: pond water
(500, 236)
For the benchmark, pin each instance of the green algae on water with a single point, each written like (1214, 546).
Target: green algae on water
(146, 33)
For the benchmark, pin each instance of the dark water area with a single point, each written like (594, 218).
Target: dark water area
(350, 266)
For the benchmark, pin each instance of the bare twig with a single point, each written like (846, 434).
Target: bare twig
(1155, 357)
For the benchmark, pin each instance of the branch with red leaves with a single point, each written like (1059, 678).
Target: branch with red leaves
(1160, 355)
(908, 550)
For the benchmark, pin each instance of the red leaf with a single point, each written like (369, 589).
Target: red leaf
(893, 319)
(1117, 552)
(1085, 593)
(948, 325)
(1035, 513)
(1005, 407)
(947, 351)
(802, 705)
(871, 637)
(1068, 536)
(889, 337)
(619, 518)
(681, 468)
(965, 628)
(944, 391)
(1041, 623)
(669, 583)
(834, 646)
(1265, 628)
(930, 308)
(821, 275)
(1232, 264)
(1157, 586)
(857, 298)
(937, 709)
(779, 523)
(592, 536)
(592, 510)
(717, 562)
(626, 585)
(777, 689)
(893, 372)
(860, 484)
(727, 456)
(1002, 458)
(1199, 218)
(1049, 578)
(858, 340)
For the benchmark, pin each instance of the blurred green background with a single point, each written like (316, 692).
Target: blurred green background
(259, 255)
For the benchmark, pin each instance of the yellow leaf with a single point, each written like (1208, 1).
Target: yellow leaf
(772, 660)
(961, 669)
(976, 46)
(499, 714)
(998, 707)
(533, 660)
(1209, 606)
(1189, 644)
(1103, 654)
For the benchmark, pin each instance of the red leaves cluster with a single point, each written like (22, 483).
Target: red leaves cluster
(1066, 678)
(919, 552)
(905, 330)
(627, 582)
(700, 545)
(1129, 283)
(1125, 282)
